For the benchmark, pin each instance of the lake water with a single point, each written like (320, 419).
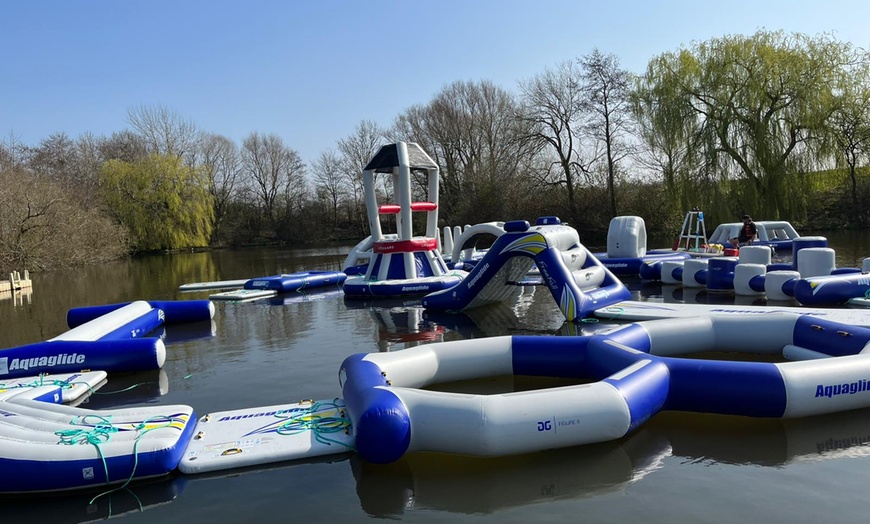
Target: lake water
(676, 468)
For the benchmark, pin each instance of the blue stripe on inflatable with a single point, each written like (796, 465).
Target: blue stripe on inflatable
(382, 424)
(46, 475)
(376, 266)
(422, 263)
(70, 356)
(756, 283)
(754, 389)
(138, 327)
(53, 396)
(720, 274)
(644, 385)
(175, 311)
(296, 281)
(831, 338)
(549, 356)
(633, 336)
(396, 270)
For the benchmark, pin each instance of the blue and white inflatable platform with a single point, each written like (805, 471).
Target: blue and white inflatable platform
(638, 370)
(400, 264)
(53, 447)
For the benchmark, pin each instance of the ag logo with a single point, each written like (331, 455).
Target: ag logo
(545, 425)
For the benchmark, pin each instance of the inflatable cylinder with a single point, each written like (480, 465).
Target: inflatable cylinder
(755, 255)
(175, 311)
(720, 274)
(831, 290)
(865, 265)
(801, 243)
(669, 276)
(815, 261)
(70, 356)
(779, 285)
(691, 269)
(97, 322)
(743, 273)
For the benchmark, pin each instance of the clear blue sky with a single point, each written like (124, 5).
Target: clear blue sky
(310, 70)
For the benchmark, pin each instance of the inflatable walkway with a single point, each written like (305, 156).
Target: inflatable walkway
(579, 282)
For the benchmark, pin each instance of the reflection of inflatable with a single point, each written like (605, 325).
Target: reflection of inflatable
(467, 485)
(84, 507)
(399, 321)
(405, 265)
(473, 485)
(130, 389)
(50, 447)
(578, 281)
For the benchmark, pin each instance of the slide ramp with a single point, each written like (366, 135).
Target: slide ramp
(578, 281)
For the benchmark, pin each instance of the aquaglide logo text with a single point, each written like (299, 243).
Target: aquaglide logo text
(8, 364)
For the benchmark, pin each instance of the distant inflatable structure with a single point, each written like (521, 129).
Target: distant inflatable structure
(400, 264)
(580, 284)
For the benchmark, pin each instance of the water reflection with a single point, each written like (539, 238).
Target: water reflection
(401, 322)
(77, 507)
(426, 481)
(130, 389)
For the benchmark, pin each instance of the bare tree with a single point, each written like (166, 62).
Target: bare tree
(126, 146)
(275, 171)
(164, 131)
(329, 179)
(558, 121)
(356, 150)
(222, 163)
(606, 89)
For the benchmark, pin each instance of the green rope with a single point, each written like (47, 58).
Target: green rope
(309, 420)
(617, 310)
(101, 432)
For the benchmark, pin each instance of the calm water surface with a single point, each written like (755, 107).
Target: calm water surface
(676, 468)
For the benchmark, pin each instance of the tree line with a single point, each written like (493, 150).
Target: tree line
(772, 124)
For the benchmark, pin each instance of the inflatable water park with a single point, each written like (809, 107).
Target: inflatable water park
(802, 360)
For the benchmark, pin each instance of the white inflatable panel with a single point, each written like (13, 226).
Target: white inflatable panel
(247, 437)
(74, 387)
(632, 310)
(243, 295)
(217, 284)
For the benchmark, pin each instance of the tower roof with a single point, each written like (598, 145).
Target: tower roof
(387, 158)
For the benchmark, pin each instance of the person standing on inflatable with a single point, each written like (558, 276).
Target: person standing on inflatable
(747, 234)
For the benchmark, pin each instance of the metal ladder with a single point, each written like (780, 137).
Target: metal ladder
(693, 229)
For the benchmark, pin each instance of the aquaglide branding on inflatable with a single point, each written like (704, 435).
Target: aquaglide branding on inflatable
(24, 364)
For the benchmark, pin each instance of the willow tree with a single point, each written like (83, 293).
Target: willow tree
(668, 137)
(163, 203)
(759, 103)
